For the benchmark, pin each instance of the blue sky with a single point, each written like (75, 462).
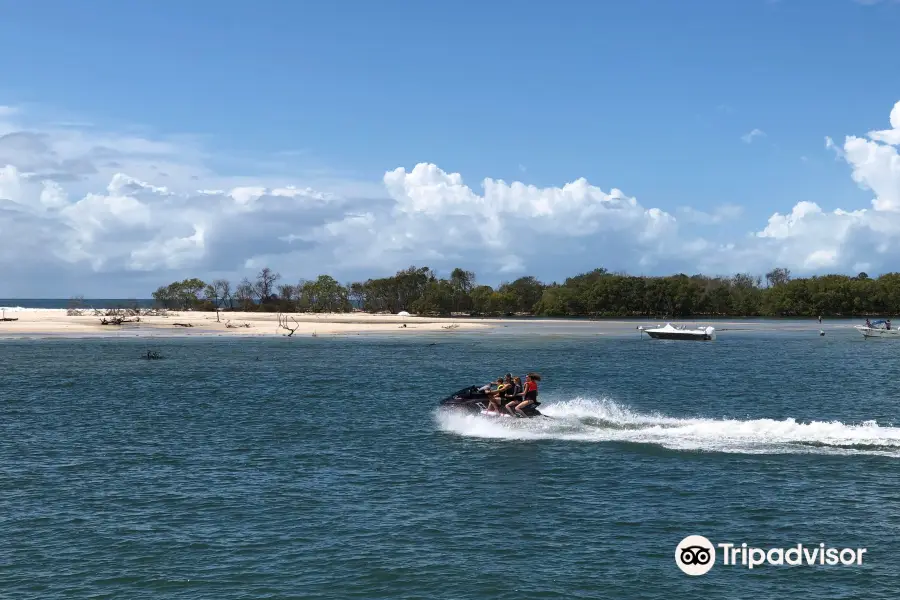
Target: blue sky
(650, 97)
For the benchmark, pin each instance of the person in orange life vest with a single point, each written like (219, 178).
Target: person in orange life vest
(528, 397)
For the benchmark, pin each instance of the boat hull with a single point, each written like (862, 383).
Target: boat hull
(702, 337)
(873, 332)
(669, 332)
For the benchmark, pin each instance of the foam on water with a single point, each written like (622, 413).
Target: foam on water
(588, 420)
(14, 309)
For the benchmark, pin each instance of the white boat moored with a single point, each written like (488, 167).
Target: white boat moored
(670, 332)
(878, 329)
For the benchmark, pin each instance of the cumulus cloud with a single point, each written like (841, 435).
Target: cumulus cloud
(506, 227)
(86, 211)
(811, 240)
(755, 133)
(110, 211)
(135, 226)
(513, 227)
(892, 135)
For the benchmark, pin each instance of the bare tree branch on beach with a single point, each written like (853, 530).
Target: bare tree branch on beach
(217, 292)
(75, 307)
(283, 324)
(224, 287)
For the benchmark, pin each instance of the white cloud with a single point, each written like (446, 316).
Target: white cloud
(133, 225)
(749, 137)
(810, 240)
(505, 228)
(103, 213)
(876, 164)
(892, 135)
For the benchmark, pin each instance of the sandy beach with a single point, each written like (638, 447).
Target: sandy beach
(56, 322)
(51, 322)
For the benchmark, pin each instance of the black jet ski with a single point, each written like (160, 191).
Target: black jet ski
(474, 401)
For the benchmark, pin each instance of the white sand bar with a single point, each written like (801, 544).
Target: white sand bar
(56, 322)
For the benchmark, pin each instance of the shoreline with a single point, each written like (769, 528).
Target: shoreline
(56, 323)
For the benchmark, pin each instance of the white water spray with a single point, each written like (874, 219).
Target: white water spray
(585, 420)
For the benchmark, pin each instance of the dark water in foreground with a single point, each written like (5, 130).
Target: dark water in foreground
(318, 468)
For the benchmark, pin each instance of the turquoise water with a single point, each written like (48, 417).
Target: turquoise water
(319, 468)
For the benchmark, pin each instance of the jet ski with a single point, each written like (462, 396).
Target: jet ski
(474, 401)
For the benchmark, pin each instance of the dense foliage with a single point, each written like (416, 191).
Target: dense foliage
(598, 293)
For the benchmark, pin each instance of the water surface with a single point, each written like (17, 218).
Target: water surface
(319, 468)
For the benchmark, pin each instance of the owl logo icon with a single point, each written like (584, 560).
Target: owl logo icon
(695, 555)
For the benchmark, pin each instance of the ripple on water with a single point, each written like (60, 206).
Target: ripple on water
(324, 471)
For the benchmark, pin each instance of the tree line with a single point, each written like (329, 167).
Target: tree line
(598, 293)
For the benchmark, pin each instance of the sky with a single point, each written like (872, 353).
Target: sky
(144, 142)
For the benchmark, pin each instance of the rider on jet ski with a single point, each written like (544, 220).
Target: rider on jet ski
(529, 395)
(504, 389)
(515, 395)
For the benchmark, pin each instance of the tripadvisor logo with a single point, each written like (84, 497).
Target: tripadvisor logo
(696, 555)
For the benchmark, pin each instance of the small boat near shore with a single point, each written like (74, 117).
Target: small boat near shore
(878, 329)
(670, 332)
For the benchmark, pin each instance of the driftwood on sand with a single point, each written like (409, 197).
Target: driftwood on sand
(114, 316)
(119, 320)
(283, 324)
(118, 312)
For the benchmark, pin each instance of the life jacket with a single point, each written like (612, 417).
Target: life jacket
(531, 391)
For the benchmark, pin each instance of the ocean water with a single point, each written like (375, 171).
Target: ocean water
(12, 304)
(320, 468)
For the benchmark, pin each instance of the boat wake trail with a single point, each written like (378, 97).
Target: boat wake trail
(586, 420)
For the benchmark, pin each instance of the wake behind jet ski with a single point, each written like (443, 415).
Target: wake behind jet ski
(478, 400)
